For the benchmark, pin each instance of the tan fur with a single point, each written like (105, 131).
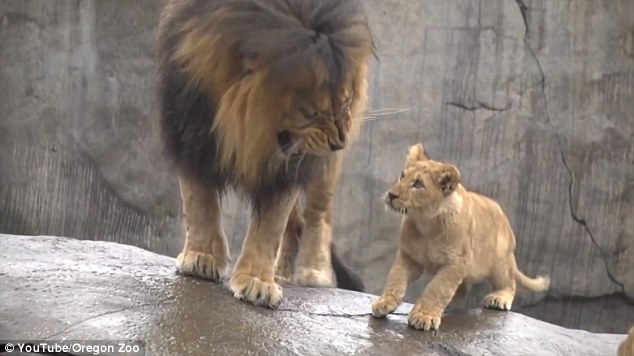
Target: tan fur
(249, 152)
(626, 348)
(314, 259)
(205, 252)
(459, 237)
(217, 60)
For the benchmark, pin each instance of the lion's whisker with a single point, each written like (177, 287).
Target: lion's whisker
(301, 159)
(373, 118)
(287, 158)
(286, 162)
(386, 111)
(371, 115)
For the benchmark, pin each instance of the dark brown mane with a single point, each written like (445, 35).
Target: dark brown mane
(205, 46)
(287, 35)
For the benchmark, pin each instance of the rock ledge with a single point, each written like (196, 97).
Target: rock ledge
(59, 288)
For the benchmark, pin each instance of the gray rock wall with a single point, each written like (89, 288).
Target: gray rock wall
(533, 100)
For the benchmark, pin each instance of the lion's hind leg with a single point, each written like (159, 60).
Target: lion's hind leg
(205, 253)
(287, 252)
(253, 277)
(314, 257)
(503, 282)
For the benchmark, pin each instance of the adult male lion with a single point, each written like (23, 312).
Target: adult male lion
(261, 95)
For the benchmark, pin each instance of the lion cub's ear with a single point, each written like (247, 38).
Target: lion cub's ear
(448, 178)
(416, 154)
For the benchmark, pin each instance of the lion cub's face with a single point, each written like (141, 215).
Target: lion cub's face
(317, 122)
(423, 184)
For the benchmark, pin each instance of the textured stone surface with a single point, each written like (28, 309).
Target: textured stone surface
(531, 99)
(67, 289)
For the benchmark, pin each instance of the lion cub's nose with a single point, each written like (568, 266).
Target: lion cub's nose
(391, 196)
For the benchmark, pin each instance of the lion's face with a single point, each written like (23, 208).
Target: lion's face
(423, 185)
(317, 122)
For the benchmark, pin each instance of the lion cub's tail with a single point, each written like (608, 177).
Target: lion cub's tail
(538, 284)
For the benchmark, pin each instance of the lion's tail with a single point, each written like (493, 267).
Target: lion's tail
(538, 284)
(346, 279)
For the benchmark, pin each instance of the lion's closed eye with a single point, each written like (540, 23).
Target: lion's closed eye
(310, 114)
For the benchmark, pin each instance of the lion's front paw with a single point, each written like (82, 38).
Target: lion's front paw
(424, 319)
(310, 277)
(384, 305)
(254, 290)
(202, 265)
(498, 300)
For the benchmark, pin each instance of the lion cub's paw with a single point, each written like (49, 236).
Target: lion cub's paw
(202, 265)
(498, 300)
(310, 277)
(424, 319)
(384, 305)
(254, 290)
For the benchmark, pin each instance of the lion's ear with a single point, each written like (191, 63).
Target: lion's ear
(448, 178)
(416, 153)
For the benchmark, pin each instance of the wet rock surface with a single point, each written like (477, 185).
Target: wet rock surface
(59, 288)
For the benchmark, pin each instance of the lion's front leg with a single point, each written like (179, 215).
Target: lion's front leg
(253, 277)
(314, 266)
(205, 253)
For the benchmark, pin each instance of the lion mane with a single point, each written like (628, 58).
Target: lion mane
(261, 96)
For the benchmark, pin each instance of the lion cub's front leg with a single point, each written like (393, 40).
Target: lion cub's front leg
(205, 253)
(427, 312)
(403, 271)
(253, 277)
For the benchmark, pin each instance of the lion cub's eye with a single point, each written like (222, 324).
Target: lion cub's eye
(418, 184)
(402, 175)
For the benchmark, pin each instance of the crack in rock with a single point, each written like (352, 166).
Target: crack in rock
(604, 256)
(582, 222)
(479, 105)
(336, 315)
(157, 304)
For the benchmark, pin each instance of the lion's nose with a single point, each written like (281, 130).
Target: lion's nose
(335, 146)
(391, 196)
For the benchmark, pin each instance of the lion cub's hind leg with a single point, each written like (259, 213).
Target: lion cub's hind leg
(205, 253)
(503, 282)
(253, 277)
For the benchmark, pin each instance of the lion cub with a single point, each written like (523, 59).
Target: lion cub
(459, 237)
(626, 348)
